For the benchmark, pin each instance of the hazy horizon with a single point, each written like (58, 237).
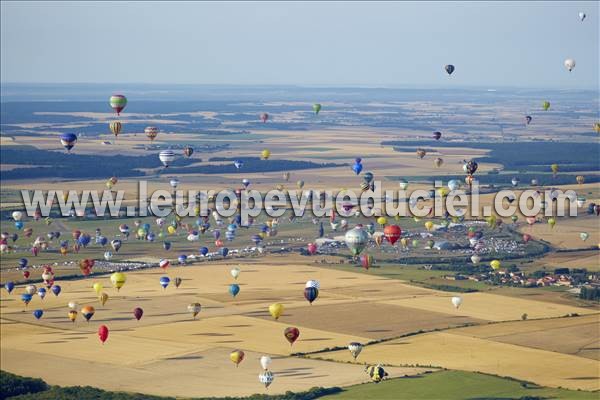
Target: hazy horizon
(358, 44)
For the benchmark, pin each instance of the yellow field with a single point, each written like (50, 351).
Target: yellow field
(167, 344)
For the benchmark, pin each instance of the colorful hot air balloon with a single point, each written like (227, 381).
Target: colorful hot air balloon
(264, 117)
(356, 239)
(291, 334)
(68, 140)
(311, 294)
(188, 151)
(194, 309)
(266, 378)
(376, 373)
(103, 333)
(366, 261)
(118, 102)
(164, 281)
(392, 233)
(237, 357)
(316, 108)
(311, 248)
(72, 315)
(88, 312)
(115, 127)
(151, 132)
(580, 179)
(546, 105)
(276, 310)
(421, 153)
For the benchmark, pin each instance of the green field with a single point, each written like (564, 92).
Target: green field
(450, 385)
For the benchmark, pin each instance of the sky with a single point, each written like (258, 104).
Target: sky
(515, 44)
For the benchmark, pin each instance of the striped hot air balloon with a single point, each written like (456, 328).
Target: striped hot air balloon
(118, 102)
(166, 157)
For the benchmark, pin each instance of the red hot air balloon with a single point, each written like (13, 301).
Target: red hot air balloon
(312, 249)
(137, 313)
(291, 334)
(392, 233)
(264, 117)
(103, 333)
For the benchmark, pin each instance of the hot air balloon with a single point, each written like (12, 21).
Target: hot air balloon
(72, 315)
(421, 153)
(265, 154)
(30, 289)
(356, 239)
(116, 244)
(495, 264)
(265, 361)
(56, 289)
(475, 259)
(403, 183)
(456, 301)
(437, 135)
(276, 310)
(355, 349)
(234, 289)
(291, 334)
(9, 286)
(392, 233)
(26, 298)
(38, 314)
(316, 108)
(311, 248)
(166, 157)
(235, 272)
(118, 102)
(103, 298)
(194, 309)
(584, 236)
(366, 261)
(238, 164)
(103, 333)
(357, 168)
(236, 357)
(174, 182)
(68, 140)
(580, 179)
(264, 117)
(41, 292)
(137, 313)
(569, 64)
(449, 69)
(164, 281)
(118, 280)
(546, 105)
(266, 378)
(188, 151)
(311, 294)
(597, 127)
(528, 119)
(551, 222)
(115, 127)
(376, 373)
(438, 162)
(88, 312)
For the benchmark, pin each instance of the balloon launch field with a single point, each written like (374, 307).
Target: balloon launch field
(168, 344)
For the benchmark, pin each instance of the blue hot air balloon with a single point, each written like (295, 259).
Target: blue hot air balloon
(19, 225)
(311, 294)
(68, 140)
(204, 250)
(9, 286)
(151, 237)
(56, 289)
(84, 239)
(216, 234)
(234, 289)
(238, 164)
(166, 245)
(23, 263)
(38, 314)
(164, 281)
(321, 230)
(41, 292)
(357, 168)
(101, 240)
(230, 235)
(26, 298)
(182, 259)
(224, 251)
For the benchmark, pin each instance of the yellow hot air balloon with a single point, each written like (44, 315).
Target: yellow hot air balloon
(118, 280)
(491, 221)
(382, 221)
(580, 179)
(404, 242)
(265, 154)
(115, 127)
(97, 287)
(103, 298)
(236, 357)
(551, 222)
(171, 229)
(554, 168)
(72, 315)
(443, 192)
(597, 127)
(495, 264)
(428, 225)
(276, 310)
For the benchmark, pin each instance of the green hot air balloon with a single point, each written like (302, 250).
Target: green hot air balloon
(316, 108)
(118, 102)
(546, 105)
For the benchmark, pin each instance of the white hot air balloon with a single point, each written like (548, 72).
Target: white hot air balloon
(174, 182)
(313, 283)
(475, 259)
(17, 215)
(30, 289)
(569, 64)
(108, 255)
(265, 361)
(166, 157)
(582, 16)
(235, 272)
(457, 301)
(355, 349)
(72, 305)
(266, 378)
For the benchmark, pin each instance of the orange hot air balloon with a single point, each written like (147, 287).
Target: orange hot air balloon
(88, 312)
(103, 333)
